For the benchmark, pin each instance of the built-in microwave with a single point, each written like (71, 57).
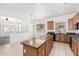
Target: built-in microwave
(77, 25)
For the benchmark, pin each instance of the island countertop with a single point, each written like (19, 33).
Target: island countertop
(35, 42)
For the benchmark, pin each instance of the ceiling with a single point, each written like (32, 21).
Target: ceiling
(28, 11)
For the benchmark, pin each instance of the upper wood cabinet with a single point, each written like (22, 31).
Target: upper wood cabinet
(77, 16)
(73, 21)
(50, 25)
(62, 38)
(70, 23)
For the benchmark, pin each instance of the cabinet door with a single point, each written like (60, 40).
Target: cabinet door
(58, 37)
(62, 38)
(74, 46)
(29, 51)
(50, 25)
(78, 17)
(67, 39)
(41, 51)
(74, 20)
(47, 48)
(70, 23)
(77, 51)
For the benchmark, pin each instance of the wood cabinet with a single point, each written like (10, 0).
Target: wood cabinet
(68, 39)
(77, 48)
(57, 36)
(70, 23)
(62, 38)
(48, 46)
(73, 21)
(74, 46)
(37, 48)
(77, 16)
(42, 51)
(29, 51)
(50, 25)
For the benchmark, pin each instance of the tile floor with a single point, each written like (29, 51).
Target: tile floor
(15, 49)
(61, 49)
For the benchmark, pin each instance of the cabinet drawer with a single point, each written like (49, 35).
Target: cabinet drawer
(29, 51)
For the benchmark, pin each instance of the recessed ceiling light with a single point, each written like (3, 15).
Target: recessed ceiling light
(61, 11)
(37, 3)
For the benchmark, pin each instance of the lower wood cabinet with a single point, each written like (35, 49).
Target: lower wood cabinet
(43, 50)
(29, 51)
(48, 46)
(78, 49)
(74, 46)
(62, 38)
(58, 37)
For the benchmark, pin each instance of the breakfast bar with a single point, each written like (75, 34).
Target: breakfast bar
(37, 47)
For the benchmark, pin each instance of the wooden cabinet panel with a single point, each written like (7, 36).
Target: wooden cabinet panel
(77, 16)
(57, 37)
(49, 45)
(41, 51)
(62, 38)
(67, 39)
(74, 20)
(74, 46)
(78, 49)
(28, 51)
(70, 23)
(50, 25)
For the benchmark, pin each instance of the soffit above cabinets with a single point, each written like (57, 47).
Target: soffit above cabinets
(28, 11)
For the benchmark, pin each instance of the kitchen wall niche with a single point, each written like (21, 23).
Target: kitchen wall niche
(60, 27)
(40, 27)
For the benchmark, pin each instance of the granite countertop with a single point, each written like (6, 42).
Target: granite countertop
(35, 42)
(75, 36)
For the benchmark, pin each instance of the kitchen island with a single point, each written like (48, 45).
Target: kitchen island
(37, 47)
